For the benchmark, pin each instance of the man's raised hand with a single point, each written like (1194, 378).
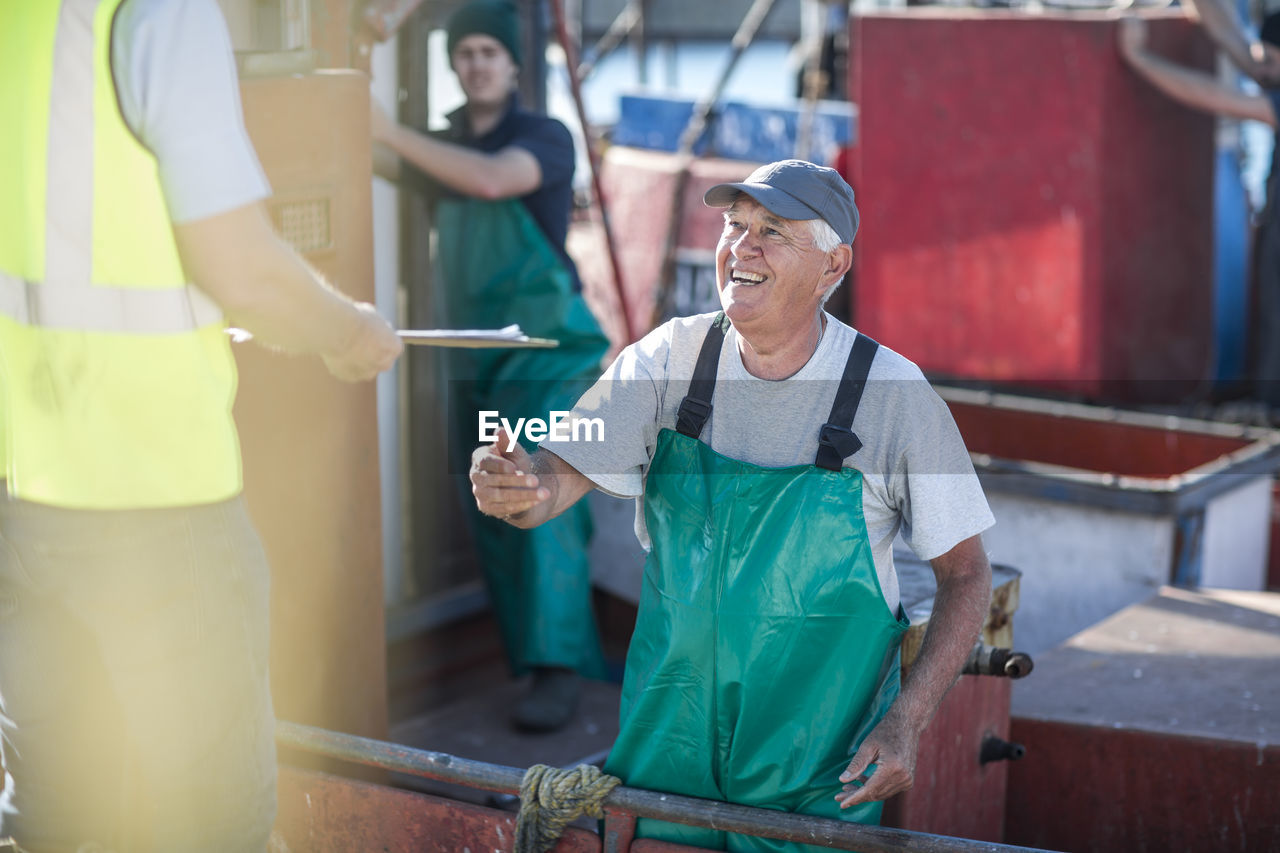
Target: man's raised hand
(502, 480)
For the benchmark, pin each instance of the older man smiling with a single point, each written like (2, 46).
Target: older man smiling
(775, 453)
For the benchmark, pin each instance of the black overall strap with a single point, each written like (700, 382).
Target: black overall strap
(695, 408)
(836, 441)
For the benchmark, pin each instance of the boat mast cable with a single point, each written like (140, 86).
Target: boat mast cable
(697, 127)
(593, 162)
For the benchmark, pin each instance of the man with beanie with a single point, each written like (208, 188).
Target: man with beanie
(775, 454)
(501, 178)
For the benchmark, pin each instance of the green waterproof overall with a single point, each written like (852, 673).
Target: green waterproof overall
(498, 268)
(763, 652)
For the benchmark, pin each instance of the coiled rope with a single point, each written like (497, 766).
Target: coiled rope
(551, 798)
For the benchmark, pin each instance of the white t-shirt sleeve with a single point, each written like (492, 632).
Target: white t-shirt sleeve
(625, 403)
(176, 81)
(938, 493)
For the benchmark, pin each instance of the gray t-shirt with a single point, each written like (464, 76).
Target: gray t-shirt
(178, 90)
(918, 478)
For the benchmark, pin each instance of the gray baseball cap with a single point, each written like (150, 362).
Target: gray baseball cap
(796, 189)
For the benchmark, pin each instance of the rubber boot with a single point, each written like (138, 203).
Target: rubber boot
(550, 702)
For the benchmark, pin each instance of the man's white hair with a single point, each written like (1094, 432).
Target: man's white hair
(825, 239)
(824, 236)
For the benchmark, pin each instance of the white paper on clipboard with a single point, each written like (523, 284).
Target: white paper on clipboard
(509, 336)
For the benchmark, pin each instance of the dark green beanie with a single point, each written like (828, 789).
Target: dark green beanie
(496, 18)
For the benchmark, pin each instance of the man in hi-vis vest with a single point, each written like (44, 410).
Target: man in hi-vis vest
(134, 698)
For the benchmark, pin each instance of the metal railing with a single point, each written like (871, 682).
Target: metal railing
(624, 805)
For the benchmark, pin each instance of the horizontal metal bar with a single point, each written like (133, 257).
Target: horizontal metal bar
(713, 814)
(1053, 406)
(1015, 478)
(403, 759)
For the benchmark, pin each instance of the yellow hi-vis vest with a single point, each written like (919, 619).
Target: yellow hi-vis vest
(116, 377)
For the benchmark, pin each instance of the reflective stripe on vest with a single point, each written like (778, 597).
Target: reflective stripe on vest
(105, 309)
(116, 379)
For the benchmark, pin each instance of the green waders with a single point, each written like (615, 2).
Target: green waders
(763, 652)
(498, 268)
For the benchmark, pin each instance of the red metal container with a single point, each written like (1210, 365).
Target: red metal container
(1032, 211)
(1100, 506)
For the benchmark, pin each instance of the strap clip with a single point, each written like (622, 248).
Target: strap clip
(692, 416)
(835, 444)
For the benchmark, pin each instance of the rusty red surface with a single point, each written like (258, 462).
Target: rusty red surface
(639, 186)
(1103, 446)
(619, 831)
(1273, 557)
(1094, 789)
(1014, 235)
(953, 794)
(322, 813)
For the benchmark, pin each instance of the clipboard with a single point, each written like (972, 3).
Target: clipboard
(510, 337)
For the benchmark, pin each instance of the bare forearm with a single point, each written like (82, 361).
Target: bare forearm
(961, 602)
(263, 286)
(1198, 90)
(295, 310)
(960, 606)
(474, 173)
(1224, 28)
(386, 163)
(1251, 55)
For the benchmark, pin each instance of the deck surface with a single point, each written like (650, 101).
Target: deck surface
(477, 726)
(1186, 662)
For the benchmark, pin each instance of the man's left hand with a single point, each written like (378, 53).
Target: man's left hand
(381, 125)
(891, 746)
(1265, 69)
